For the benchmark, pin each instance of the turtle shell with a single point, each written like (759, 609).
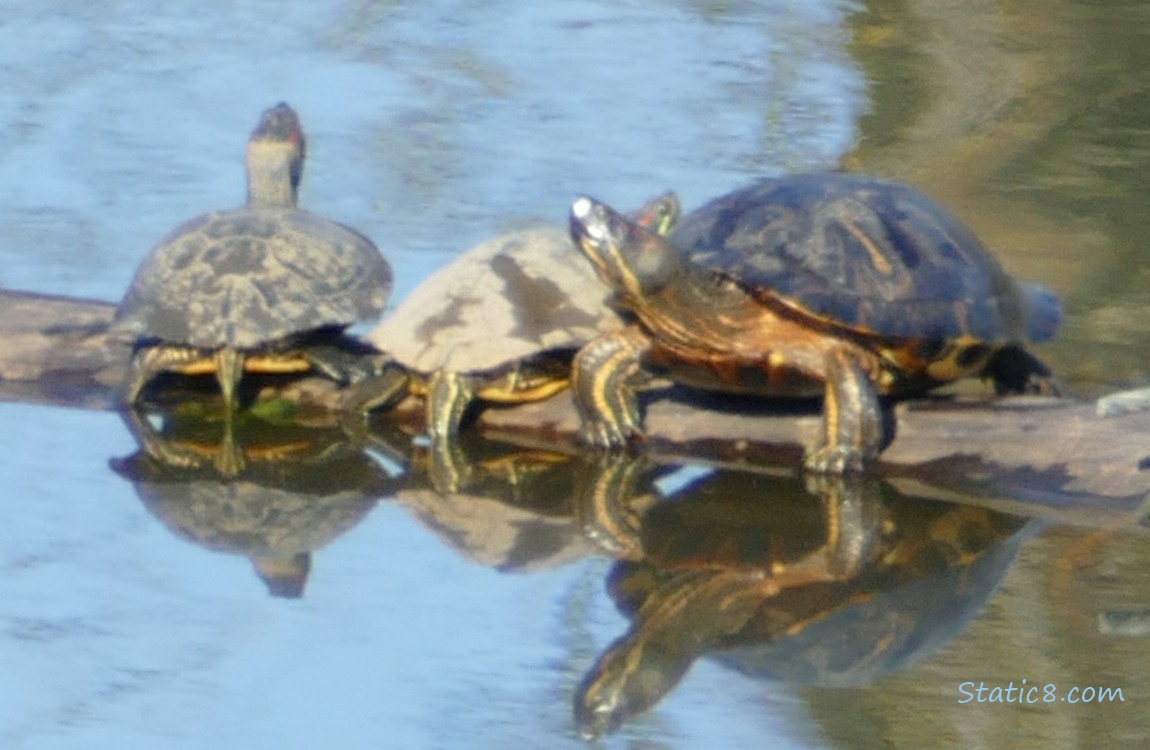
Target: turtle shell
(252, 276)
(505, 300)
(295, 490)
(865, 254)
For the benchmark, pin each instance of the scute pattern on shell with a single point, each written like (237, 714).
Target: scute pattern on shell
(252, 517)
(873, 255)
(504, 300)
(249, 277)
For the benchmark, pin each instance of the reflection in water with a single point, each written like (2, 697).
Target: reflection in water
(271, 493)
(799, 581)
(1028, 118)
(836, 587)
(507, 508)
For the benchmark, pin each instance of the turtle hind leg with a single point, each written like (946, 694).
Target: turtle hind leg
(344, 360)
(141, 370)
(229, 371)
(854, 429)
(449, 394)
(150, 361)
(1012, 369)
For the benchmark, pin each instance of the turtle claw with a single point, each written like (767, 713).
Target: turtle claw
(613, 431)
(836, 459)
(609, 435)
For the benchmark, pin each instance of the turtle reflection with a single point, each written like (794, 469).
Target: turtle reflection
(271, 493)
(522, 509)
(513, 509)
(838, 589)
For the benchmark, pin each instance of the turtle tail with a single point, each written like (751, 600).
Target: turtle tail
(1043, 311)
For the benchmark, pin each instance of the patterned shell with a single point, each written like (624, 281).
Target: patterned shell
(504, 300)
(249, 277)
(870, 255)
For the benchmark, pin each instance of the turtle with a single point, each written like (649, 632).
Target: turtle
(272, 492)
(267, 287)
(515, 511)
(750, 584)
(842, 285)
(500, 323)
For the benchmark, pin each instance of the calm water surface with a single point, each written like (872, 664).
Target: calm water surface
(434, 125)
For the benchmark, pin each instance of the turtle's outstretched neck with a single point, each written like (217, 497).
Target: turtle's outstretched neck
(275, 159)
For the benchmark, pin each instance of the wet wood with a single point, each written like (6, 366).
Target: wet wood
(1045, 457)
(1018, 453)
(56, 350)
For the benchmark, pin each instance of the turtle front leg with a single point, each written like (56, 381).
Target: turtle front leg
(385, 385)
(852, 415)
(611, 498)
(603, 378)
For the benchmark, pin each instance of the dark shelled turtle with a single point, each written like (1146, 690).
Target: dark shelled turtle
(263, 288)
(832, 284)
(749, 584)
(501, 322)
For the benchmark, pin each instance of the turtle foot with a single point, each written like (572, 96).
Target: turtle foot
(610, 435)
(836, 459)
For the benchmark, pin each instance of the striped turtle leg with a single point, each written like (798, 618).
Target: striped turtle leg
(603, 379)
(345, 360)
(149, 361)
(448, 396)
(611, 498)
(384, 387)
(853, 507)
(142, 369)
(229, 370)
(852, 415)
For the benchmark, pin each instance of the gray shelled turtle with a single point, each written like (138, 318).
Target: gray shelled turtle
(501, 323)
(264, 288)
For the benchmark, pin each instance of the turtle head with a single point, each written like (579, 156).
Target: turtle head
(285, 576)
(658, 215)
(631, 676)
(276, 152)
(628, 258)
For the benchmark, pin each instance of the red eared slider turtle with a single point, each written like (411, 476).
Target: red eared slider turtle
(760, 595)
(835, 284)
(263, 288)
(502, 322)
(514, 513)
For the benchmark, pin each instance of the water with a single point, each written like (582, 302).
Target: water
(434, 125)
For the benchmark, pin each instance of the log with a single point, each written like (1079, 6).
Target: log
(1038, 456)
(1042, 457)
(56, 350)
